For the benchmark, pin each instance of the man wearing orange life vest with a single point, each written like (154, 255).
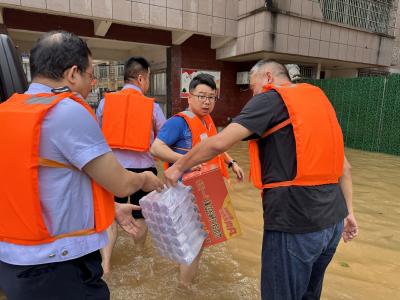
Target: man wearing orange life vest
(55, 180)
(130, 121)
(185, 130)
(297, 159)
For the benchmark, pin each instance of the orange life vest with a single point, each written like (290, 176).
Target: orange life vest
(200, 131)
(317, 133)
(128, 120)
(21, 213)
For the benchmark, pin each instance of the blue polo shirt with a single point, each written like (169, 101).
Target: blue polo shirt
(176, 133)
(70, 135)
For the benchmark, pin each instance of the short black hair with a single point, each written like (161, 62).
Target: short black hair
(135, 66)
(203, 78)
(55, 52)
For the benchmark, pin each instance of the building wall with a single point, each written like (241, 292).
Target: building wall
(396, 45)
(41, 22)
(217, 17)
(191, 55)
(297, 27)
(239, 27)
(349, 73)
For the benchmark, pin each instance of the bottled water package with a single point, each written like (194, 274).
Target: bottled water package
(174, 223)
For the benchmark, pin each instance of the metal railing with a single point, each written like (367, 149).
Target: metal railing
(307, 72)
(373, 15)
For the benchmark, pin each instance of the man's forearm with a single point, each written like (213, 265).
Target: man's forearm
(213, 146)
(346, 185)
(203, 152)
(206, 150)
(135, 182)
(164, 153)
(108, 172)
(170, 157)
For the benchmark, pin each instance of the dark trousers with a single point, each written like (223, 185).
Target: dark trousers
(77, 279)
(293, 265)
(135, 197)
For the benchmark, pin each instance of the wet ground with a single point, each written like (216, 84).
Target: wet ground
(367, 268)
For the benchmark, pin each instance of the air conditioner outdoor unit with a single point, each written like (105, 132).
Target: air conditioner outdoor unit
(242, 78)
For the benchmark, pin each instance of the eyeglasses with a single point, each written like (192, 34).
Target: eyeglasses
(203, 98)
(91, 77)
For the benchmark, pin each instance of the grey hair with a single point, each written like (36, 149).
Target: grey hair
(278, 68)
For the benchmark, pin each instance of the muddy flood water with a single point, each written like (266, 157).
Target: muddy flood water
(367, 268)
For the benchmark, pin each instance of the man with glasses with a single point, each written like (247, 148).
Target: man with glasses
(130, 121)
(297, 160)
(186, 129)
(58, 177)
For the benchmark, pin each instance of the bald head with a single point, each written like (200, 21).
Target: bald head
(265, 72)
(55, 52)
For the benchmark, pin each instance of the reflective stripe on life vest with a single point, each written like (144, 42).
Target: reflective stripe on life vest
(20, 209)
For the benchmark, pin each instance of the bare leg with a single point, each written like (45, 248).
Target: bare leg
(140, 239)
(188, 272)
(106, 252)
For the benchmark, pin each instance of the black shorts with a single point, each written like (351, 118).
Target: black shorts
(135, 197)
(77, 279)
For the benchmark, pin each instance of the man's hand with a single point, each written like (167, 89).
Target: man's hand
(123, 216)
(350, 228)
(238, 171)
(151, 182)
(172, 175)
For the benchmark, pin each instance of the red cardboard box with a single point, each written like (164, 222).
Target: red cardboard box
(214, 203)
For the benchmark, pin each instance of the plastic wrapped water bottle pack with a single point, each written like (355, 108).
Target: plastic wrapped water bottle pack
(174, 223)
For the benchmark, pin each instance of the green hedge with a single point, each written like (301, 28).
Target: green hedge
(368, 110)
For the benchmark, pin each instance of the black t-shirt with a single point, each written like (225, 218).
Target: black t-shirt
(294, 209)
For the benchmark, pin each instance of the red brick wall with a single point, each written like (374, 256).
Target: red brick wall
(3, 29)
(196, 53)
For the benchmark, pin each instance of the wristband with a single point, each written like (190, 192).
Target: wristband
(230, 164)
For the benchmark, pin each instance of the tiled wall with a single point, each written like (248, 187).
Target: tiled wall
(296, 28)
(299, 29)
(396, 46)
(247, 6)
(217, 17)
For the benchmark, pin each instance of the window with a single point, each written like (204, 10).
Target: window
(103, 71)
(158, 83)
(372, 72)
(307, 72)
(120, 70)
(26, 66)
(373, 15)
